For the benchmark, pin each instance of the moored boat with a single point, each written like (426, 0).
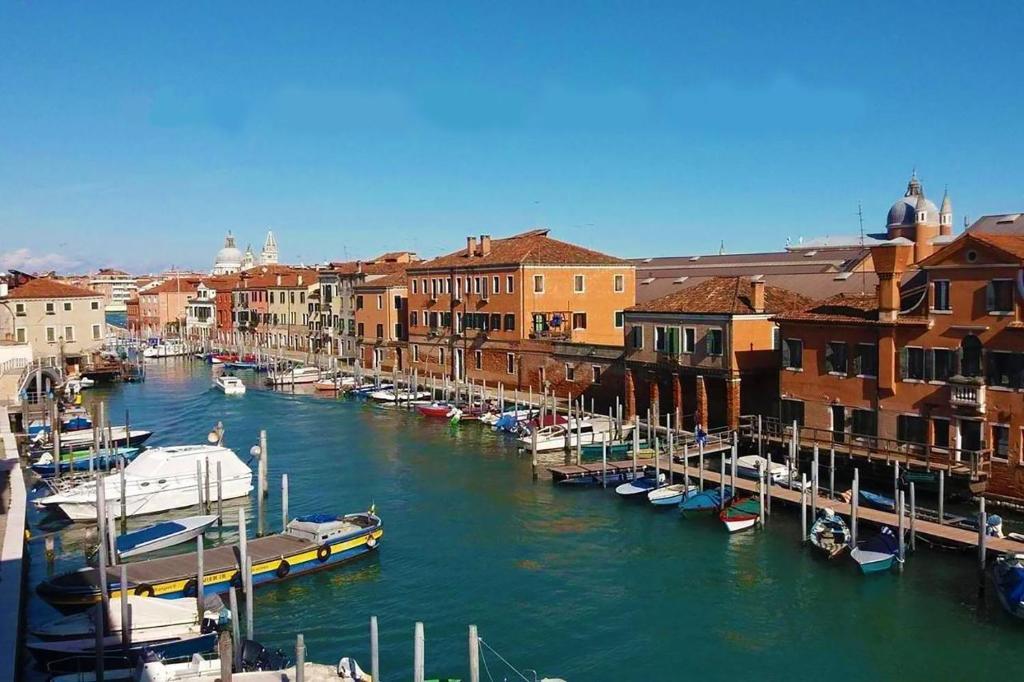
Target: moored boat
(79, 460)
(641, 485)
(118, 437)
(877, 501)
(829, 533)
(878, 553)
(1008, 575)
(162, 535)
(740, 514)
(229, 385)
(295, 375)
(438, 410)
(706, 500)
(671, 495)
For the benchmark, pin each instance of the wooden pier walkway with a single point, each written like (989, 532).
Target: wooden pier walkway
(930, 530)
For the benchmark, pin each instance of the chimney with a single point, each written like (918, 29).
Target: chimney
(470, 247)
(278, 279)
(891, 259)
(300, 280)
(485, 244)
(359, 266)
(757, 295)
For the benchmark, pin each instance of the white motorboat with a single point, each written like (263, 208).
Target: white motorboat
(585, 431)
(336, 383)
(392, 396)
(166, 349)
(671, 494)
(229, 385)
(159, 479)
(748, 467)
(83, 438)
(200, 669)
(162, 535)
(295, 375)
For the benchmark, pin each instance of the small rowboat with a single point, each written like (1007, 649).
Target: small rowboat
(640, 486)
(1008, 575)
(707, 500)
(161, 535)
(668, 495)
(829, 533)
(877, 554)
(740, 514)
(436, 410)
(877, 501)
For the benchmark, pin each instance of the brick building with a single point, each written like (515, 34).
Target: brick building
(382, 322)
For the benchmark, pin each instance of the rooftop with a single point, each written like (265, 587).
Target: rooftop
(723, 295)
(846, 308)
(528, 248)
(44, 287)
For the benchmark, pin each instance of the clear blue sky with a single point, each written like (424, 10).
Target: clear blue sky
(137, 134)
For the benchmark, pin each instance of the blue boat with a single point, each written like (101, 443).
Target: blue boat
(877, 554)
(707, 500)
(595, 479)
(877, 501)
(79, 461)
(1008, 575)
(640, 486)
(241, 365)
(162, 535)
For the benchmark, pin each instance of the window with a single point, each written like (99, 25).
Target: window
(496, 285)
(510, 363)
(95, 332)
(440, 355)
(666, 340)
(19, 309)
(423, 284)
(714, 342)
(570, 372)
(970, 356)
(793, 354)
(509, 284)
(776, 338)
(380, 302)
(478, 359)
(619, 284)
(1000, 442)
(619, 319)
(51, 334)
(538, 284)
(577, 284)
(579, 320)
(999, 296)
(415, 353)
(398, 330)
(689, 339)
(792, 410)
(660, 339)
(50, 309)
(496, 322)
(940, 296)
(69, 334)
(458, 287)
(942, 364)
(597, 373)
(469, 285)
(940, 428)
(541, 374)
(359, 301)
(19, 335)
(415, 286)
(510, 322)
(398, 302)
(95, 305)
(359, 327)
(835, 357)
(865, 360)
(291, 296)
(863, 423)
(636, 334)
(477, 287)
(67, 306)
(911, 428)
(1004, 369)
(414, 319)
(912, 364)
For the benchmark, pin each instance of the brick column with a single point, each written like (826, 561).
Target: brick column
(655, 394)
(677, 400)
(630, 397)
(702, 404)
(732, 402)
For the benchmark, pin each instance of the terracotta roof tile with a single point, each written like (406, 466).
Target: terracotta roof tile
(394, 279)
(45, 287)
(184, 285)
(531, 248)
(723, 295)
(846, 308)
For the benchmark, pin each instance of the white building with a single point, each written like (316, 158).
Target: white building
(229, 258)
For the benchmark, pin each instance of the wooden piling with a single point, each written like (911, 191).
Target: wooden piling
(259, 498)
(199, 485)
(942, 497)
(900, 538)
(832, 472)
(761, 470)
(982, 535)
(225, 654)
(220, 496)
(732, 465)
(284, 502)
(265, 458)
(814, 485)
(700, 465)
(913, 518)
(242, 540)
(236, 625)
(104, 605)
(248, 599)
(474, 655)
(803, 508)
(533, 451)
(418, 653)
(200, 575)
(300, 658)
(374, 650)
(126, 625)
(604, 460)
(854, 507)
(206, 483)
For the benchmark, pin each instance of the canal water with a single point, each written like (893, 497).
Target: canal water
(573, 583)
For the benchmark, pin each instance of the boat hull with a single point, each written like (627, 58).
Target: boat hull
(163, 541)
(873, 562)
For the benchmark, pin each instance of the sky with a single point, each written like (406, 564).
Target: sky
(136, 135)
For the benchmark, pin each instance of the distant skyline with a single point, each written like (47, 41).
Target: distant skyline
(136, 135)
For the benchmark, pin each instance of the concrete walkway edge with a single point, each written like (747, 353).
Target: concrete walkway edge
(12, 564)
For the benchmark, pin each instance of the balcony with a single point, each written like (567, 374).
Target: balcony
(555, 325)
(967, 393)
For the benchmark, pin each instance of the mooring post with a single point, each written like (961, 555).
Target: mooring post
(220, 496)
(854, 507)
(474, 655)
(374, 650)
(55, 434)
(982, 536)
(732, 467)
(248, 599)
(760, 438)
(200, 575)
(895, 479)
(722, 480)
(104, 605)
(284, 501)
(124, 494)
(126, 625)
(206, 482)
(814, 485)
(199, 485)
(700, 466)
(533, 451)
(111, 538)
(902, 539)
(760, 492)
(604, 460)
(832, 473)
(803, 508)
(300, 658)
(942, 497)
(236, 625)
(225, 655)
(913, 518)
(417, 654)
(265, 459)
(259, 498)
(242, 541)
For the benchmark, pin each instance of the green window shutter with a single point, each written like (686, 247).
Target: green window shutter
(904, 362)
(858, 361)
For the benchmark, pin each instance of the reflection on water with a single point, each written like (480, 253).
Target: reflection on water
(577, 583)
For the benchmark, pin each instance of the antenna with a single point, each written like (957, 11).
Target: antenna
(863, 271)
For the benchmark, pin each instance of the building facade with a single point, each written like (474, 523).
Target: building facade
(382, 323)
(59, 321)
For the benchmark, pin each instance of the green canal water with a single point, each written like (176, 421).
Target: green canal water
(573, 583)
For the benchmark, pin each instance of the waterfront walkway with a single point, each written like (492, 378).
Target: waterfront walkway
(12, 534)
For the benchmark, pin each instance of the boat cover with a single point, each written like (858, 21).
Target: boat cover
(148, 534)
(1011, 582)
(883, 543)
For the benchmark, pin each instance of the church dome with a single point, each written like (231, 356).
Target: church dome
(229, 258)
(904, 212)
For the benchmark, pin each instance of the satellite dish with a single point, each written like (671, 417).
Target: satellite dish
(212, 437)
(255, 451)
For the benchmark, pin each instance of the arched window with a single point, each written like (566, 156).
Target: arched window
(970, 356)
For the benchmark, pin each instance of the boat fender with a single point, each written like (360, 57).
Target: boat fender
(323, 553)
(284, 568)
(144, 590)
(371, 541)
(191, 588)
